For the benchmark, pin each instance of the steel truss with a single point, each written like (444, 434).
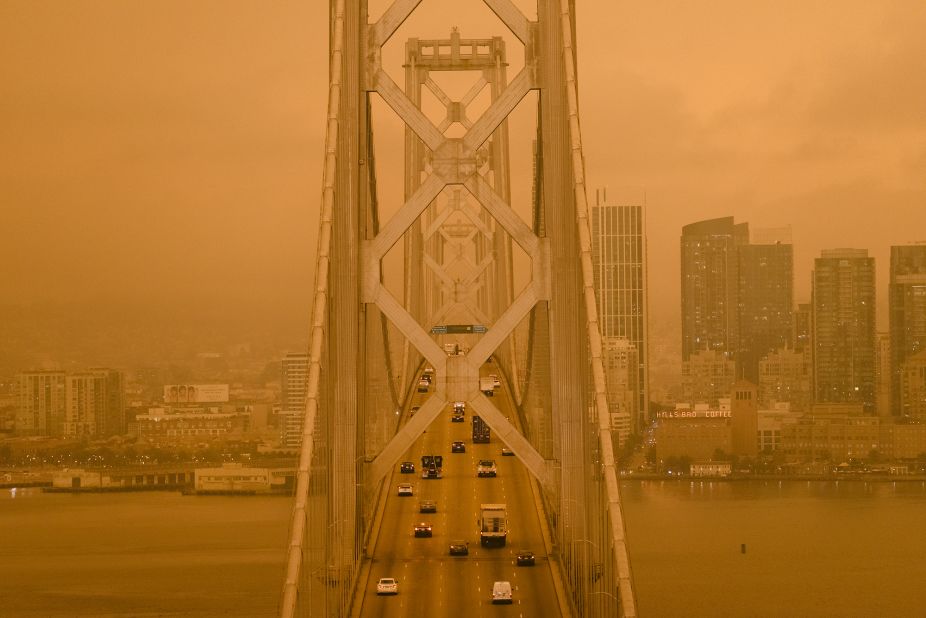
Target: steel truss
(357, 323)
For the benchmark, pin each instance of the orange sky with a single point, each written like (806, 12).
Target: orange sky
(170, 150)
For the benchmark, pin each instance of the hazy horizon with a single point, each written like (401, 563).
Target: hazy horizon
(169, 154)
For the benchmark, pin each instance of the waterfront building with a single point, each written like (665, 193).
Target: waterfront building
(169, 426)
(907, 440)
(232, 478)
(832, 432)
(695, 432)
(769, 426)
(711, 468)
(620, 272)
(294, 382)
(843, 299)
(907, 307)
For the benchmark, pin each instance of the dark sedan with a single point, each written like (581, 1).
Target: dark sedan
(525, 557)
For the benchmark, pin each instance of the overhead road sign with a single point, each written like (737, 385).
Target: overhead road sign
(457, 329)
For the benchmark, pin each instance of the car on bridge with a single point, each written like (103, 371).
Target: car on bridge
(427, 506)
(405, 489)
(423, 530)
(525, 558)
(486, 467)
(459, 548)
(407, 467)
(507, 452)
(457, 447)
(423, 385)
(387, 585)
(501, 592)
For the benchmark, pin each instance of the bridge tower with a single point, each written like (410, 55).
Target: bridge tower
(458, 234)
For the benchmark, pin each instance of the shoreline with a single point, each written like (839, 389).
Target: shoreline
(733, 478)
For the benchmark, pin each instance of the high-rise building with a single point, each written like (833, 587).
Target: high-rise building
(710, 283)
(843, 332)
(113, 421)
(85, 405)
(294, 383)
(72, 405)
(765, 298)
(619, 259)
(621, 373)
(800, 329)
(736, 291)
(785, 376)
(913, 387)
(41, 403)
(883, 374)
(707, 377)
(907, 306)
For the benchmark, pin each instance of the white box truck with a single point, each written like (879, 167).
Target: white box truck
(493, 525)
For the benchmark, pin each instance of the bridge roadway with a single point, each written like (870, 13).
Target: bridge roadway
(433, 583)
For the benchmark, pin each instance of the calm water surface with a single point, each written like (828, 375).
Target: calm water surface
(140, 554)
(812, 549)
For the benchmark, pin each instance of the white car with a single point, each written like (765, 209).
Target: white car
(486, 467)
(405, 489)
(501, 592)
(387, 585)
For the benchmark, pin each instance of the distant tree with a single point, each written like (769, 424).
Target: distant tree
(720, 455)
(874, 456)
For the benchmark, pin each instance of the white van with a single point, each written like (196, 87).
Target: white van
(501, 592)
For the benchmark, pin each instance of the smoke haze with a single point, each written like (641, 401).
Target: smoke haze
(168, 154)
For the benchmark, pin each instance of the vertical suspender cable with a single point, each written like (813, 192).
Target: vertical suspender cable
(319, 315)
(621, 555)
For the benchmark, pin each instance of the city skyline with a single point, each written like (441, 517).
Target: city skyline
(176, 348)
(690, 133)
